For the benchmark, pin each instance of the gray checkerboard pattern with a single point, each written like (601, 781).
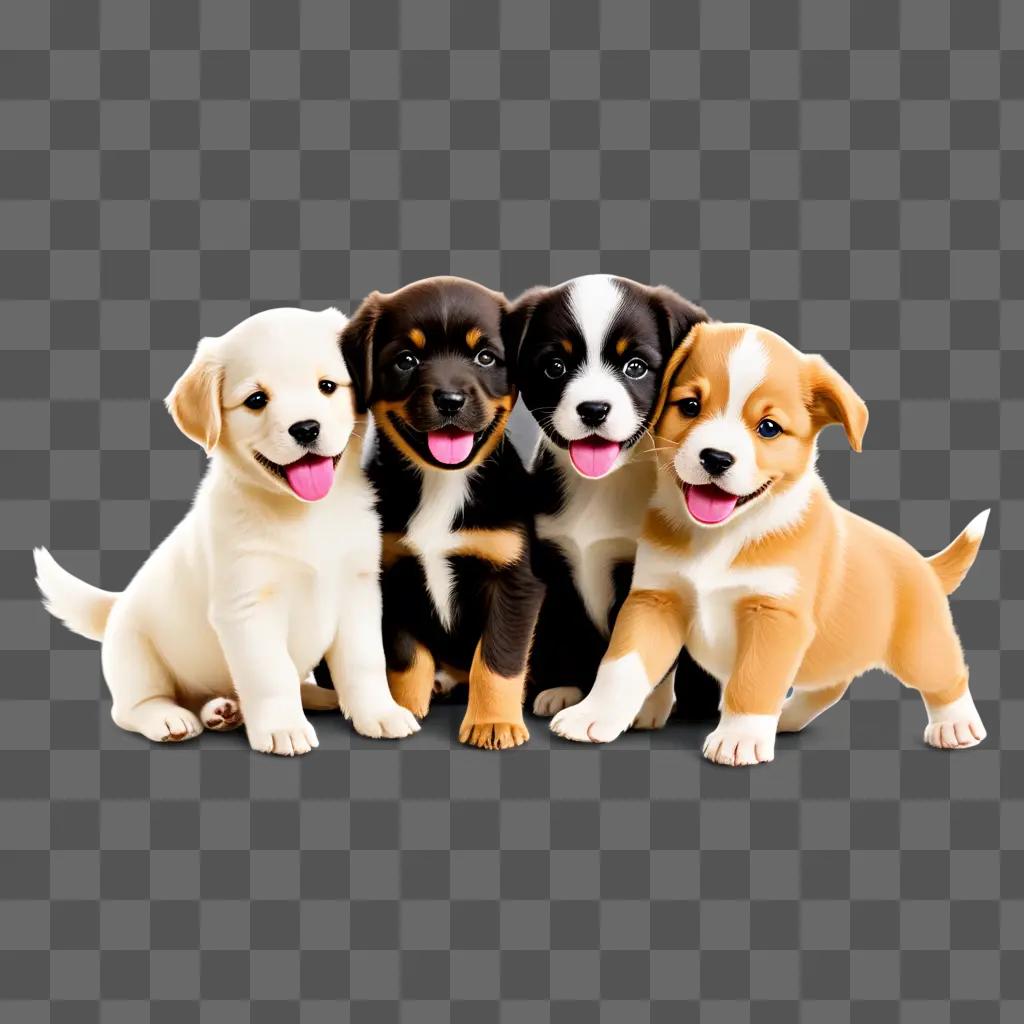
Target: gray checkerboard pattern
(848, 172)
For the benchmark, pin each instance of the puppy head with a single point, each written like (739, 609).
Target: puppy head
(429, 363)
(273, 398)
(741, 413)
(591, 356)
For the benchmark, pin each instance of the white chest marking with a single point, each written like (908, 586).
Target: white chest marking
(431, 537)
(708, 574)
(598, 526)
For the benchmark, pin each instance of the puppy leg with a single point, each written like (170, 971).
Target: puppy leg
(648, 635)
(411, 674)
(142, 690)
(252, 637)
(931, 661)
(359, 669)
(497, 678)
(771, 641)
(805, 705)
(658, 706)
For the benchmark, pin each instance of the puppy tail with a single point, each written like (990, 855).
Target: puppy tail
(952, 563)
(84, 609)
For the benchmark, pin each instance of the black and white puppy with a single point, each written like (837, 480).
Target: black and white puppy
(590, 360)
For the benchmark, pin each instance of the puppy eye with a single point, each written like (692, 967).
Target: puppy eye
(406, 361)
(328, 387)
(256, 401)
(635, 369)
(690, 407)
(769, 428)
(485, 357)
(554, 369)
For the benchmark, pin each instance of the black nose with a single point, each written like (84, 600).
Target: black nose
(716, 462)
(593, 414)
(305, 432)
(449, 402)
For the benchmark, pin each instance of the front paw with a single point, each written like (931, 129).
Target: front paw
(592, 721)
(390, 721)
(742, 740)
(493, 735)
(279, 730)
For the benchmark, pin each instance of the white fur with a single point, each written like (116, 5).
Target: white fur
(975, 529)
(729, 431)
(254, 586)
(956, 724)
(619, 692)
(742, 739)
(430, 534)
(597, 525)
(593, 301)
(706, 574)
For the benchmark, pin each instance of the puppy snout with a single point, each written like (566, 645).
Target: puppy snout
(449, 402)
(593, 414)
(305, 432)
(715, 461)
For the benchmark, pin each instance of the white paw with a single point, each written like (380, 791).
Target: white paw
(550, 702)
(277, 728)
(445, 682)
(391, 721)
(221, 714)
(954, 726)
(592, 721)
(170, 725)
(742, 740)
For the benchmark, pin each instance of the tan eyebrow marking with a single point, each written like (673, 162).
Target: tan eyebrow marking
(679, 392)
(473, 335)
(621, 345)
(566, 344)
(418, 338)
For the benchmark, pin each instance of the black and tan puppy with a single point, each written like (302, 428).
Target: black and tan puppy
(459, 593)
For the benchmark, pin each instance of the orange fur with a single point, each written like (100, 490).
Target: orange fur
(849, 595)
(494, 712)
(412, 687)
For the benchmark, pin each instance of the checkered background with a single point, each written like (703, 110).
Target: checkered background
(850, 174)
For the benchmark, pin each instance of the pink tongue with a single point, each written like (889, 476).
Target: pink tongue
(311, 477)
(708, 503)
(450, 447)
(594, 456)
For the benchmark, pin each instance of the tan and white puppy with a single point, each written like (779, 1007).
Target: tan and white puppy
(274, 567)
(746, 560)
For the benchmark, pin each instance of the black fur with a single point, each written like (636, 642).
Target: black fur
(568, 646)
(493, 605)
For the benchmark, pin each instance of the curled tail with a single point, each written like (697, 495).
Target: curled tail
(952, 563)
(84, 609)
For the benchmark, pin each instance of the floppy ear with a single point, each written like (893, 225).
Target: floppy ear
(831, 399)
(676, 316)
(194, 401)
(356, 341)
(516, 320)
(675, 363)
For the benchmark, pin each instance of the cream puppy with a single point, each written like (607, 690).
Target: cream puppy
(746, 560)
(274, 567)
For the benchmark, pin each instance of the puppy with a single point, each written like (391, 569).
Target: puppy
(590, 365)
(460, 597)
(746, 560)
(275, 565)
